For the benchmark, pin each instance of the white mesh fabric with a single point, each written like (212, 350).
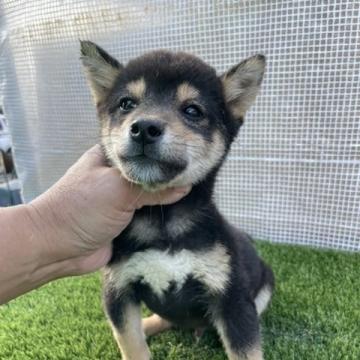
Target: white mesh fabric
(294, 172)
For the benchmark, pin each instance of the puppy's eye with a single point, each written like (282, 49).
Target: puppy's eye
(127, 104)
(193, 112)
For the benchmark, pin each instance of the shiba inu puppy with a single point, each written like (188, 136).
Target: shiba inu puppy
(167, 119)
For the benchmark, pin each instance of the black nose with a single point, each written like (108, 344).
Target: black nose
(146, 131)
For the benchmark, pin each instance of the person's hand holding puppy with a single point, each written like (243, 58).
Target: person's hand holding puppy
(68, 230)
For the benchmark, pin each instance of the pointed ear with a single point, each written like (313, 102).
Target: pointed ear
(242, 83)
(100, 68)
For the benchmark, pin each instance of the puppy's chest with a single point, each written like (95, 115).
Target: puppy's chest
(160, 269)
(146, 229)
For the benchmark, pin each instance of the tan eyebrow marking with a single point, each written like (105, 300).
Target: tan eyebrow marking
(137, 88)
(186, 92)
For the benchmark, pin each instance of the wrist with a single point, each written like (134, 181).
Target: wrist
(47, 236)
(56, 254)
(24, 260)
(41, 234)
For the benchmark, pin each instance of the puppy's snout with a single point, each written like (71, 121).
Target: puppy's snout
(146, 131)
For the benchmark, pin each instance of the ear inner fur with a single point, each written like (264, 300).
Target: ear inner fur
(242, 84)
(100, 68)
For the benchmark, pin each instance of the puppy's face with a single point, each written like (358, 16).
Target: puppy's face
(166, 118)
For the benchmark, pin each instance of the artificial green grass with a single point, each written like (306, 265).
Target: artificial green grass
(315, 314)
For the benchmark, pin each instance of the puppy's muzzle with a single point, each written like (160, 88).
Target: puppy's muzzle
(146, 131)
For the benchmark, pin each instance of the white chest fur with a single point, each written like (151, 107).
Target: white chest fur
(158, 269)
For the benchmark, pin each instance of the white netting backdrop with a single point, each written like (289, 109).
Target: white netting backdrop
(294, 172)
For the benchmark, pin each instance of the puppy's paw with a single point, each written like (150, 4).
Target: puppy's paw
(155, 324)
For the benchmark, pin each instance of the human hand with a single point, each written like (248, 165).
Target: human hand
(77, 218)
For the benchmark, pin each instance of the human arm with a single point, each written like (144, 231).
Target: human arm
(68, 230)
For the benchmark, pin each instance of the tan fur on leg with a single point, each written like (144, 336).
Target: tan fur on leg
(255, 353)
(131, 337)
(155, 324)
(252, 353)
(262, 299)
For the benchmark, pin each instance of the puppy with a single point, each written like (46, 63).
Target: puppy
(168, 120)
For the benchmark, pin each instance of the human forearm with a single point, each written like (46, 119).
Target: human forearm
(25, 259)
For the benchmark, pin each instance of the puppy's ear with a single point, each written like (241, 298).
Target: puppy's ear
(100, 68)
(242, 83)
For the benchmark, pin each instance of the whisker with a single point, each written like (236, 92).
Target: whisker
(139, 196)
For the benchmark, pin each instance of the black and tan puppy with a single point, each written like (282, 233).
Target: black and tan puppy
(168, 120)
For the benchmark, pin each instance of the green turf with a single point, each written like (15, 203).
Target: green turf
(315, 314)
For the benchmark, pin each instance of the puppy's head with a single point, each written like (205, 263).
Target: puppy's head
(166, 118)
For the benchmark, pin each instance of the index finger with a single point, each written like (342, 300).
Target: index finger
(94, 157)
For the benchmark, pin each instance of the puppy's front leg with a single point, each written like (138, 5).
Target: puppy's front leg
(237, 323)
(125, 318)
